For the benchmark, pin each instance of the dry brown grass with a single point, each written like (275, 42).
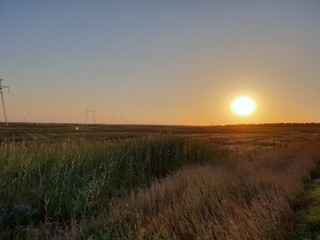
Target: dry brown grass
(253, 201)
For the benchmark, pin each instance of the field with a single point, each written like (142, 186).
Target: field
(67, 181)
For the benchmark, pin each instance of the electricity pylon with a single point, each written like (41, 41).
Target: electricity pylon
(92, 112)
(2, 99)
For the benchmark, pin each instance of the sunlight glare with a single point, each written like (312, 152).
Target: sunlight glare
(243, 106)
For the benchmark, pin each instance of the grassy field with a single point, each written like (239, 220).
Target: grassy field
(153, 182)
(254, 200)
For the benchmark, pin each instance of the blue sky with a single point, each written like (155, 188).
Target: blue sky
(160, 62)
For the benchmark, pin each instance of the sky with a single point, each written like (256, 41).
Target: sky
(160, 62)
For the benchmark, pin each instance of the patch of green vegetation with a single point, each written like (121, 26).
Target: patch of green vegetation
(308, 226)
(71, 180)
(308, 219)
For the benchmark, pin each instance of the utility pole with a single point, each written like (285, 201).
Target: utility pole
(2, 99)
(92, 112)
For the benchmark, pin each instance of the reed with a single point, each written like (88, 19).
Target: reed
(254, 200)
(71, 180)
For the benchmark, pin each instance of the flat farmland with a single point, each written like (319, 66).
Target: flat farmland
(265, 135)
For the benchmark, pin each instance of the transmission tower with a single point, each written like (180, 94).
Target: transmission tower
(2, 99)
(92, 113)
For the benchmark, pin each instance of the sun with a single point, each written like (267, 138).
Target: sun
(243, 106)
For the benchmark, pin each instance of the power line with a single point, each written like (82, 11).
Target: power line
(2, 99)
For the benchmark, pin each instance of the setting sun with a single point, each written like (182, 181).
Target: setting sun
(243, 106)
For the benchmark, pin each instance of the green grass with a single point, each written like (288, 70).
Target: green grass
(308, 218)
(71, 180)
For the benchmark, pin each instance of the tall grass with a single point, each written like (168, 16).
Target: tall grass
(67, 181)
(152, 188)
(254, 200)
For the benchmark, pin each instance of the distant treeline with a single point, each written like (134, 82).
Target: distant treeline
(291, 124)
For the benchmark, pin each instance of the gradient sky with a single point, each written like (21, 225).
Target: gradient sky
(160, 62)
